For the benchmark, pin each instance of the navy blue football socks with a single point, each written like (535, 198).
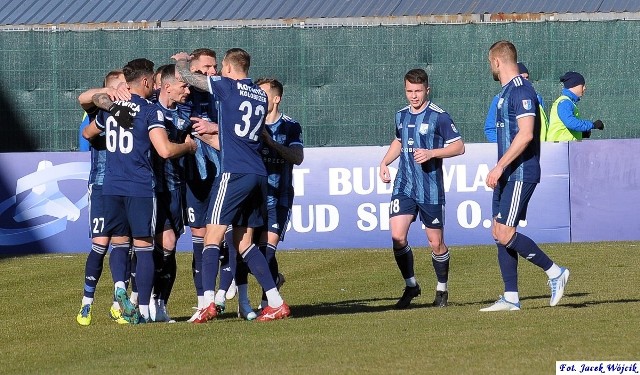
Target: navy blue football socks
(259, 268)
(196, 264)
(404, 259)
(441, 266)
(144, 273)
(529, 250)
(93, 269)
(508, 262)
(210, 259)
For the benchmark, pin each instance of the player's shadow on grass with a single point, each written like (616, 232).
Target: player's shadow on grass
(371, 305)
(566, 301)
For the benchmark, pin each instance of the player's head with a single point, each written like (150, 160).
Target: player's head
(139, 76)
(574, 82)
(502, 54)
(157, 77)
(236, 59)
(203, 60)
(174, 89)
(416, 88)
(113, 79)
(274, 90)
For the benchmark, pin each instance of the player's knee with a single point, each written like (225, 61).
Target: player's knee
(438, 248)
(504, 236)
(399, 241)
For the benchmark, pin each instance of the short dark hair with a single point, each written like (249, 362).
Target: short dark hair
(135, 69)
(417, 76)
(202, 52)
(168, 73)
(238, 58)
(273, 83)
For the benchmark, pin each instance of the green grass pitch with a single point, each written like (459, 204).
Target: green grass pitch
(343, 321)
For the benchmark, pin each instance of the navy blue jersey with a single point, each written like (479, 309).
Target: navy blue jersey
(287, 132)
(128, 172)
(432, 128)
(203, 104)
(518, 99)
(98, 155)
(241, 110)
(205, 163)
(170, 173)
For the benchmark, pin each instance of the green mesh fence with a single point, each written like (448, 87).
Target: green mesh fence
(343, 84)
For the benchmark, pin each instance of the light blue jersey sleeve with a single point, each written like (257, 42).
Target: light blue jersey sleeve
(490, 122)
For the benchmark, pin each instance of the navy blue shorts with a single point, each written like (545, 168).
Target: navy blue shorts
(240, 200)
(278, 220)
(130, 216)
(96, 212)
(510, 201)
(197, 203)
(431, 215)
(170, 211)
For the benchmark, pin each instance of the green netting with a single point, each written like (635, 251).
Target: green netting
(343, 84)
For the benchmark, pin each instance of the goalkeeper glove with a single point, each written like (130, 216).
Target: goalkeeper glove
(598, 125)
(121, 114)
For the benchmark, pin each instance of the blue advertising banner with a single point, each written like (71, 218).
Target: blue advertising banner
(43, 202)
(605, 190)
(340, 201)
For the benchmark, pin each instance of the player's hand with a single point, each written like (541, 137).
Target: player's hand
(122, 92)
(493, 176)
(598, 125)
(266, 137)
(384, 174)
(193, 146)
(121, 114)
(181, 56)
(421, 155)
(202, 126)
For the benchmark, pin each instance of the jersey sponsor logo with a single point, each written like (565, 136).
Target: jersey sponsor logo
(135, 108)
(527, 104)
(410, 141)
(252, 92)
(424, 128)
(500, 101)
(453, 127)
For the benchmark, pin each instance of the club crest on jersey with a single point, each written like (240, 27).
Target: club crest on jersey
(526, 104)
(424, 128)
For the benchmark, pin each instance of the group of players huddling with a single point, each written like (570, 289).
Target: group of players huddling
(237, 173)
(184, 142)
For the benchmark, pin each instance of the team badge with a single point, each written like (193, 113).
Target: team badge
(527, 104)
(424, 128)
